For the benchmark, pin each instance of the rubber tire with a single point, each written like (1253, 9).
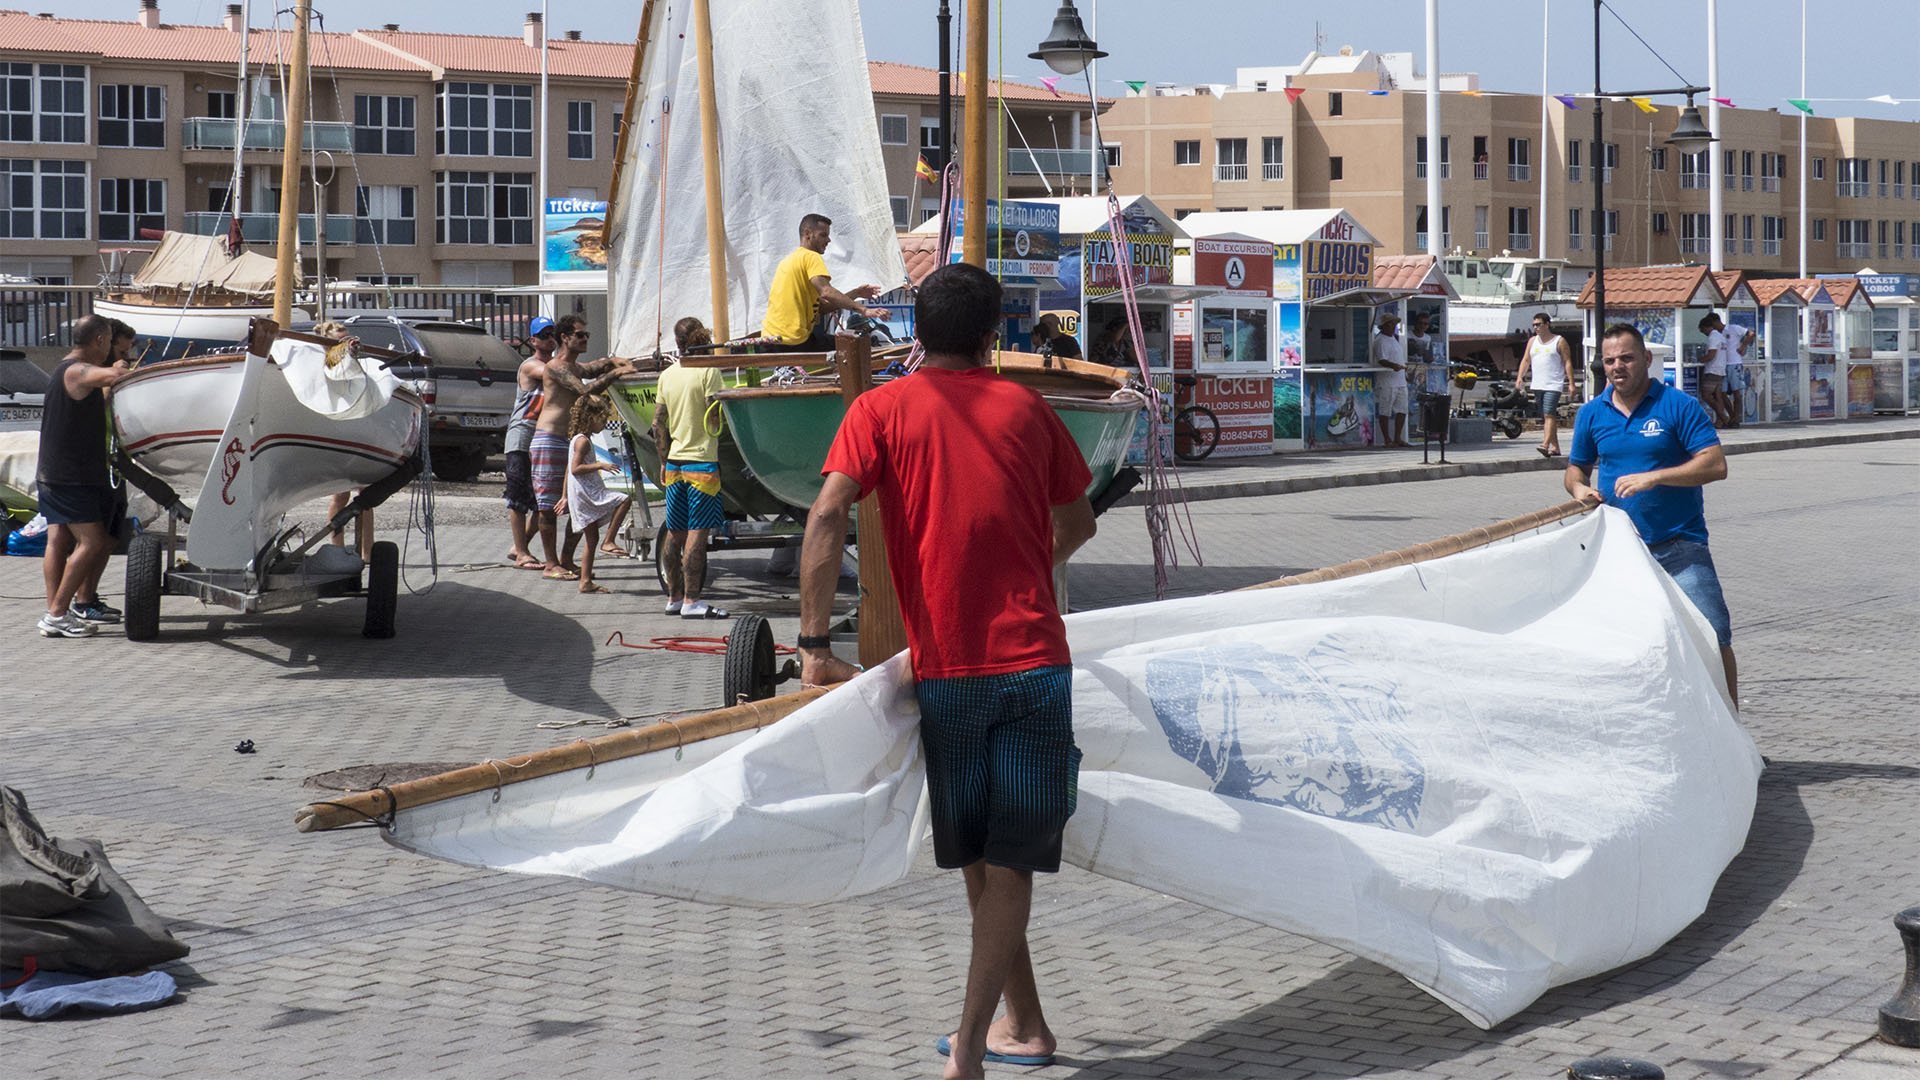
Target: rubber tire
(459, 466)
(1510, 427)
(383, 590)
(750, 669)
(660, 562)
(1203, 432)
(144, 572)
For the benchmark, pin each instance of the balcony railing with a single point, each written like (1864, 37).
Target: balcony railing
(1519, 173)
(1693, 180)
(1746, 246)
(1769, 183)
(1746, 182)
(1480, 241)
(265, 228)
(1573, 174)
(1480, 169)
(1883, 189)
(1731, 181)
(1521, 241)
(1769, 247)
(1847, 250)
(1273, 170)
(1420, 170)
(1732, 244)
(1575, 241)
(1693, 245)
(209, 133)
(1049, 161)
(1225, 173)
(1852, 189)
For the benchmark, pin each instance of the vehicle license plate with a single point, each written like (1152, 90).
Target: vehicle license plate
(20, 414)
(482, 420)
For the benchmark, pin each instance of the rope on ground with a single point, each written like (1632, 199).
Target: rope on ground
(706, 646)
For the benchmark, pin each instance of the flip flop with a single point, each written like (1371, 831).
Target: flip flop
(1544, 452)
(946, 1050)
(616, 553)
(596, 589)
(561, 575)
(710, 613)
(527, 564)
(673, 609)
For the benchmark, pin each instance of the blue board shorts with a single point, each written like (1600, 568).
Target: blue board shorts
(1002, 770)
(693, 495)
(1690, 565)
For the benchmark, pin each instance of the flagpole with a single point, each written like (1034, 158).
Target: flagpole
(1435, 214)
(1544, 5)
(1716, 252)
(1093, 102)
(1803, 139)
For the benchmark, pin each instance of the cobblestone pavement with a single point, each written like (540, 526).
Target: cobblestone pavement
(334, 954)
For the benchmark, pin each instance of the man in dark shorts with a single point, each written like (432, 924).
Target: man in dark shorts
(1655, 448)
(528, 397)
(76, 486)
(982, 494)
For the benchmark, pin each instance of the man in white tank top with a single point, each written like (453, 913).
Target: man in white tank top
(1551, 364)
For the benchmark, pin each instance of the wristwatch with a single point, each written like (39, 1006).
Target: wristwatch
(815, 641)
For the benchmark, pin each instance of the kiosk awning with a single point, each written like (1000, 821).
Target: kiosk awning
(1162, 294)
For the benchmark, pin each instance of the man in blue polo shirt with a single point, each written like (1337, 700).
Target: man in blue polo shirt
(1655, 448)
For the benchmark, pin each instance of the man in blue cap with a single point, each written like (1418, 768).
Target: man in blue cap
(527, 398)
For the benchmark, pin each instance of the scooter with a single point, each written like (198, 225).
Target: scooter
(1504, 403)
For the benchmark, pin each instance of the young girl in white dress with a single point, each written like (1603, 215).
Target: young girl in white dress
(589, 503)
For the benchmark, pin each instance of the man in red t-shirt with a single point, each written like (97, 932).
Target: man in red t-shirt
(982, 494)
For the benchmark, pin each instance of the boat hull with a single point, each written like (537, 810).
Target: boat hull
(168, 417)
(178, 321)
(740, 491)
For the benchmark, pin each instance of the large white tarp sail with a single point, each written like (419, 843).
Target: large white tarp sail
(1494, 773)
(797, 137)
(185, 261)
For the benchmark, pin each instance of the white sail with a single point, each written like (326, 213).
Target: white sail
(1494, 773)
(797, 137)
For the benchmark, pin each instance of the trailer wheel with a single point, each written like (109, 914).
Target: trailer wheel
(144, 571)
(383, 590)
(750, 674)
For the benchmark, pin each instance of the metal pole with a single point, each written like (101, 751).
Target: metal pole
(1435, 215)
(1545, 134)
(287, 256)
(320, 245)
(1096, 160)
(975, 168)
(945, 20)
(710, 161)
(1803, 139)
(1599, 201)
(1716, 256)
(546, 126)
(240, 116)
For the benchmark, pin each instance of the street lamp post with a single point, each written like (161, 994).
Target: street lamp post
(1068, 50)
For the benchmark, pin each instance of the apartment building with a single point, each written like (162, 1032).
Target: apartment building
(1354, 137)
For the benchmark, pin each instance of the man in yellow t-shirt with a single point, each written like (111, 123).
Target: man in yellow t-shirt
(802, 287)
(689, 472)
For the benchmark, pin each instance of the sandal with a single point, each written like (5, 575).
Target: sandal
(561, 575)
(616, 553)
(595, 589)
(704, 612)
(528, 563)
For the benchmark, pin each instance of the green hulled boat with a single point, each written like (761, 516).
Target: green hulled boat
(740, 492)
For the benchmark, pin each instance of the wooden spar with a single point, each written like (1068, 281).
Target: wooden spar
(287, 255)
(358, 806)
(710, 162)
(1435, 549)
(882, 632)
(973, 162)
(627, 121)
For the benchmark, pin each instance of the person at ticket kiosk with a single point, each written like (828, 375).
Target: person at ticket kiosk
(1390, 387)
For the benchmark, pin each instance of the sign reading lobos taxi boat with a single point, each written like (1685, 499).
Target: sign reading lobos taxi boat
(1336, 260)
(1024, 244)
(1151, 251)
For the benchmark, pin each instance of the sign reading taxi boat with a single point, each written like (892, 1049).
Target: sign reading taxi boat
(1023, 244)
(1336, 260)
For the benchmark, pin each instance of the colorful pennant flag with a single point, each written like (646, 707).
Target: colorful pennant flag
(1728, 102)
(1136, 87)
(1376, 93)
(1471, 93)
(1566, 99)
(1644, 105)
(1293, 94)
(925, 171)
(1801, 104)
(1052, 84)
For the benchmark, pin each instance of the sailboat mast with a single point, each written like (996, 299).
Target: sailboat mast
(973, 247)
(710, 162)
(288, 254)
(240, 115)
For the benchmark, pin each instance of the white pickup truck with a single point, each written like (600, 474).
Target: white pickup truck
(467, 377)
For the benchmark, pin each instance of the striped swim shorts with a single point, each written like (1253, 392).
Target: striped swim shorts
(693, 495)
(549, 454)
(1002, 770)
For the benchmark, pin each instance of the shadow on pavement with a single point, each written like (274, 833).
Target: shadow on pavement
(1101, 585)
(1363, 1000)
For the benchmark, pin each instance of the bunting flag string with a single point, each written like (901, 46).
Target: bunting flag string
(1051, 83)
(1801, 104)
(1728, 102)
(1645, 105)
(1293, 94)
(1139, 88)
(1136, 87)
(1567, 100)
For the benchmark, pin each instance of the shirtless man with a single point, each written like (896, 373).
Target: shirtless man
(566, 379)
(528, 400)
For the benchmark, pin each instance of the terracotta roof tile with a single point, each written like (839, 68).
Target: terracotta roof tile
(496, 55)
(891, 78)
(1769, 290)
(922, 254)
(1651, 286)
(1401, 271)
(98, 40)
(1842, 290)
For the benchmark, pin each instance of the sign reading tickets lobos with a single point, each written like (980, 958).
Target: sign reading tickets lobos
(1151, 251)
(1335, 262)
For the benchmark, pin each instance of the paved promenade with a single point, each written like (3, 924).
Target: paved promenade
(336, 955)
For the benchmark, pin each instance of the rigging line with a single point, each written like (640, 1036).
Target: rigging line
(1031, 156)
(1643, 41)
(353, 156)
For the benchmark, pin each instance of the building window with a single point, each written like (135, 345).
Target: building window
(580, 130)
(1480, 237)
(1819, 168)
(1899, 239)
(1772, 231)
(483, 208)
(1853, 180)
(1899, 179)
(1519, 159)
(1336, 105)
(901, 206)
(1659, 222)
(387, 279)
(1657, 160)
(128, 206)
(1480, 166)
(1181, 213)
(1420, 158)
(1519, 227)
(1272, 161)
(1113, 154)
(1727, 176)
(1729, 237)
(1693, 170)
(1336, 169)
(1574, 240)
(43, 103)
(1772, 168)
(382, 125)
(1186, 151)
(384, 214)
(1855, 241)
(1880, 245)
(930, 134)
(1612, 230)
(1695, 234)
(1260, 86)
(893, 129)
(1820, 229)
(1573, 162)
(43, 199)
(1746, 170)
(220, 104)
(1746, 234)
(133, 116)
(483, 120)
(1229, 159)
(1607, 160)
(1883, 178)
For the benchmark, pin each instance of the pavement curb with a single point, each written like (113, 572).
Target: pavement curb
(1205, 492)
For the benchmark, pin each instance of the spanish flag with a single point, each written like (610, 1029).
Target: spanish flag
(925, 171)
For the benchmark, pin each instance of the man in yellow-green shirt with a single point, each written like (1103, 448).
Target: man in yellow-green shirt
(689, 471)
(802, 287)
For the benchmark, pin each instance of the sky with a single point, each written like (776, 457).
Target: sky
(1855, 48)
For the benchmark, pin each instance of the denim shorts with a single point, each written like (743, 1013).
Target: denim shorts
(1690, 565)
(1002, 770)
(1549, 401)
(77, 504)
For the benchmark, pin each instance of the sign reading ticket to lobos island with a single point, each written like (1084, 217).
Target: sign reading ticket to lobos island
(1335, 262)
(1023, 244)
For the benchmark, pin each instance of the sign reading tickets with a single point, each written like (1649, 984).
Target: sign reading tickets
(573, 242)
(1023, 244)
(1334, 262)
(1151, 260)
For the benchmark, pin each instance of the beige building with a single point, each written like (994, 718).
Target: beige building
(1344, 131)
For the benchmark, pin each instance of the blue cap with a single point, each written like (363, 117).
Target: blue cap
(540, 325)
